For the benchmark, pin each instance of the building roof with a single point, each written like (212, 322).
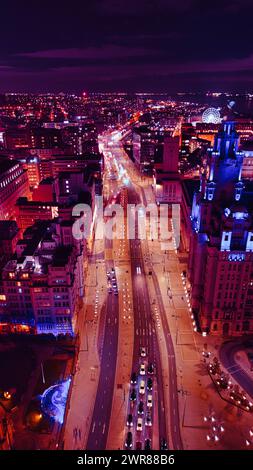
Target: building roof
(8, 229)
(61, 256)
(6, 165)
(190, 187)
(48, 180)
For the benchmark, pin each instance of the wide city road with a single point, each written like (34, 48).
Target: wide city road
(98, 432)
(135, 190)
(145, 333)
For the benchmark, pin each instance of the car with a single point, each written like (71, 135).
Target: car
(149, 384)
(163, 444)
(113, 279)
(150, 368)
(133, 395)
(142, 369)
(149, 401)
(142, 387)
(116, 292)
(109, 290)
(133, 378)
(130, 420)
(141, 408)
(139, 425)
(138, 445)
(143, 352)
(108, 273)
(148, 444)
(113, 270)
(129, 440)
(148, 421)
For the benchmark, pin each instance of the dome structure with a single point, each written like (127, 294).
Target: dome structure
(211, 115)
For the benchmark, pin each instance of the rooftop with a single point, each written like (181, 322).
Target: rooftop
(61, 256)
(8, 229)
(6, 165)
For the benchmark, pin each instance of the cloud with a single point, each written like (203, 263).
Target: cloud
(165, 68)
(89, 53)
(95, 64)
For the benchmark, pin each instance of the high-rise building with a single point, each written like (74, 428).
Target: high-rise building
(13, 184)
(18, 138)
(28, 212)
(170, 154)
(167, 181)
(9, 235)
(41, 285)
(221, 245)
(43, 138)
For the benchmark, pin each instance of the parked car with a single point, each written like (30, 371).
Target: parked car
(142, 369)
(149, 401)
(141, 408)
(129, 440)
(149, 384)
(139, 425)
(163, 444)
(133, 395)
(148, 421)
(147, 444)
(142, 387)
(143, 352)
(150, 368)
(133, 378)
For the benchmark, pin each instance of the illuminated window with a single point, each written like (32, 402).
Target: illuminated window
(2, 297)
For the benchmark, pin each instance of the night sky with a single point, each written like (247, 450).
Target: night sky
(130, 45)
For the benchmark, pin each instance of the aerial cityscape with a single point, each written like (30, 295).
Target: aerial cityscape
(126, 230)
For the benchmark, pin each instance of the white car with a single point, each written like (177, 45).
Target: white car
(142, 369)
(139, 424)
(142, 387)
(149, 401)
(143, 352)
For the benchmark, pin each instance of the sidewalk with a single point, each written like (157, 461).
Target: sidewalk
(88, 364)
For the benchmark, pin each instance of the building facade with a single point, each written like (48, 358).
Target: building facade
(13, 184)
(42, 284)
(221, 243)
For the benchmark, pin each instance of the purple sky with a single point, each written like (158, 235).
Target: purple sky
(144, 45)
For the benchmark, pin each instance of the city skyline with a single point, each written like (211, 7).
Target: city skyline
(126, 231)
